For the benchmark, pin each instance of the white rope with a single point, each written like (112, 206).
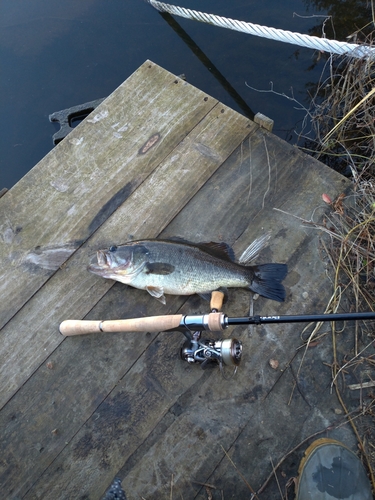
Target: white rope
(312, 42)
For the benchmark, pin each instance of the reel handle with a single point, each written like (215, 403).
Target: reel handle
(217, 299)
(149, 324)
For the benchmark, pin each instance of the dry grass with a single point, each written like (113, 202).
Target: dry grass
(343, 118)
(344, 125)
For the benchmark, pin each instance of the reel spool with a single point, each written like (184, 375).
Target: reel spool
(227, 352)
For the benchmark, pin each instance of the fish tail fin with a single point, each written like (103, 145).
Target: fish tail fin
(267, 281)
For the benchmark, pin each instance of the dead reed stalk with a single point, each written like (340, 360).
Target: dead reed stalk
(344, 125)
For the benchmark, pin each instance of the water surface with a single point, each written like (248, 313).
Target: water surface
(55, 55)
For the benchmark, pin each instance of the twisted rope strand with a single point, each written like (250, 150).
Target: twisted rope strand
(312, 42)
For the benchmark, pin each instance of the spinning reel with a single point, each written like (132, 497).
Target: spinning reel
(227, 352)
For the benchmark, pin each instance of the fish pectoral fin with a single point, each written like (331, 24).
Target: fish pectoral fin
(158, 268)
(157, 292)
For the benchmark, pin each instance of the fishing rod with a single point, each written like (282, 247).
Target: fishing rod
(196, 350)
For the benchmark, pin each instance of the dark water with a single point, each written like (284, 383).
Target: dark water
(56, 54)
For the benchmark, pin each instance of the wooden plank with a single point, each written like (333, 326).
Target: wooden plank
(155, 422)
(62, 395)
(69, 194)
(240, 412)
(32, 334)
(172, 184)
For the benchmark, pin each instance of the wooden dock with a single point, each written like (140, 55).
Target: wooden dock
(158, 158)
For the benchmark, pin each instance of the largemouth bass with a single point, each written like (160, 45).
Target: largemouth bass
(179, 268)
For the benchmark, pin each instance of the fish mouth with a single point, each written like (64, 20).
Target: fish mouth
(103, 258)
(99, 263)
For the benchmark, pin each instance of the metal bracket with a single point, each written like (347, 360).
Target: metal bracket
(65, 117)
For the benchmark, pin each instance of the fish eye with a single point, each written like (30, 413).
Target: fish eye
(113, 248)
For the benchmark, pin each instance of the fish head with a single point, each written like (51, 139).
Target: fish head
(121, 263)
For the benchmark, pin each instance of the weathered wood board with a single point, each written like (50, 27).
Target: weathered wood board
(158, 158)
(171, 188)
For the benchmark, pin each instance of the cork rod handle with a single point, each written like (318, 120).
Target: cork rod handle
(150, 324)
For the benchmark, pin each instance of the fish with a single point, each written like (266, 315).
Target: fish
(174, 267)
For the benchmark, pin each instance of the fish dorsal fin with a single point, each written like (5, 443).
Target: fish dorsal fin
(219, 250)
(253, 250)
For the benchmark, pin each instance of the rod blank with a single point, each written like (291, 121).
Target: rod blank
(304, 318)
